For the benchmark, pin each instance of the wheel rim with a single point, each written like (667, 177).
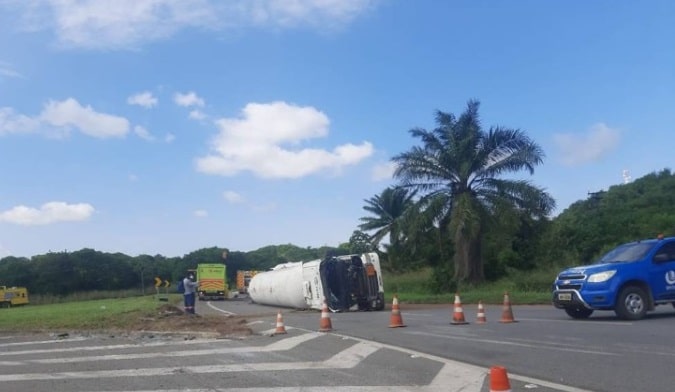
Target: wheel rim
(634, 303)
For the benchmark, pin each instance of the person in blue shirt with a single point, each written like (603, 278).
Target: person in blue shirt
(190, 286)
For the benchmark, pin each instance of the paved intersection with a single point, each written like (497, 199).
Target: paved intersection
(310, 360)
(300, 360)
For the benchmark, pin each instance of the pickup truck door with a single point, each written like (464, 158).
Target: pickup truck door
(662, 272)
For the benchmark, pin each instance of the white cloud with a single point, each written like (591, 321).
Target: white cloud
(201, 213)
(188, 100)
(133, 177)
(197, 115)
(52, 212)
(170, 137)
(233, 197)
(314, 13)
(383, 171)
(266, 141)
(11, 122)
(120, 24)
(144, 99)
(143, 133)
(70, 113)
(7, 71)
(60, 117)
(577, 149)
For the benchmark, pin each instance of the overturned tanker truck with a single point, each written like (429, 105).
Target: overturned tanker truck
(352, 282)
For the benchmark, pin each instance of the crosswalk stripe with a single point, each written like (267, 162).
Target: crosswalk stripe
(345, 359)
(281, 345)
(109, 347)
(53, 341)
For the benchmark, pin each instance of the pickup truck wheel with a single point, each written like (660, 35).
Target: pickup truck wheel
(579, 312)
(631, 304)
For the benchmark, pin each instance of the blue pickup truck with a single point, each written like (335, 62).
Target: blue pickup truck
(631, 280)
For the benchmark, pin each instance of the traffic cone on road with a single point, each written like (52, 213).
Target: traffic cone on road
(499, 380)
(281, 329)
(396, 320)
(324, 324)
(480, 317)
(458, 314)
(507, 312)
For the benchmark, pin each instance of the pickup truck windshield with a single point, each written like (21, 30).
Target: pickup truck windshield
(627, 253)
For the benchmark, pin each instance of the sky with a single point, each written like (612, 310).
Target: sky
(167, 126)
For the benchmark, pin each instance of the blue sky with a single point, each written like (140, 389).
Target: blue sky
(166, 126)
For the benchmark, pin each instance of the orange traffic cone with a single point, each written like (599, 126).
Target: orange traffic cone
(480, 317)
(458, 315)
(324, 324)
(507, 312)
(499, 380)
(395, 321)
(280, 325)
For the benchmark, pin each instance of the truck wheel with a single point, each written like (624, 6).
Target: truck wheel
(579, 312)
(379, 303)
(631, 304)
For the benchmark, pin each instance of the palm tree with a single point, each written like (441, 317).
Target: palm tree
(458, 171)
(388, 210)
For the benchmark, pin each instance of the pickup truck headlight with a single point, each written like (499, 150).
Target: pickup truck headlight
(601, 276)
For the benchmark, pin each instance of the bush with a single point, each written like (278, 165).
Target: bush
(532, 281)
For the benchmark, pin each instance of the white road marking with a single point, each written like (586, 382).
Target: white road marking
(455, 374)
(111, 347)
(64, 340)
(608, 322)
(345, 359)
(220, 310)
(458, 376)
(11, 363)
(281, 345)
(506, 343)
(557, 387)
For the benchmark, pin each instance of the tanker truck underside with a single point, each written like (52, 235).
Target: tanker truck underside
(352, 282)
(348, 283)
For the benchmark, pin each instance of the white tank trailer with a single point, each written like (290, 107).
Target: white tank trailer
(352, 282)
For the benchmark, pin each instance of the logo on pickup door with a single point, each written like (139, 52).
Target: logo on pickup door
(670, 277)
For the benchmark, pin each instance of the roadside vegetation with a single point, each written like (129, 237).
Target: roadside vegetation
(415, 287)
(79, 314)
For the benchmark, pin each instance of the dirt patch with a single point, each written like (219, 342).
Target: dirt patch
(170, 318)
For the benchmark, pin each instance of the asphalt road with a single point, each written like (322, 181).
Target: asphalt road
(544, 345)
(542, 351)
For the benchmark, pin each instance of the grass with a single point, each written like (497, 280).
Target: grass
(523, 289)
(85, 315)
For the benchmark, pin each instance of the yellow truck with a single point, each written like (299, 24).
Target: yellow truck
(12, 296)
(212, 282)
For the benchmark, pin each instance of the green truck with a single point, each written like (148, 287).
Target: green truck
(212, 284)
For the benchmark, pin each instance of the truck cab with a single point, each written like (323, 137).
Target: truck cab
(630, 280)
(13, 296)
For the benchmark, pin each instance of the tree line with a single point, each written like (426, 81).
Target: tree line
(453, 209)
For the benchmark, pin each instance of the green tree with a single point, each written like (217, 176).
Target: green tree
(388, 211)
(459, 172)
(359, 242)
